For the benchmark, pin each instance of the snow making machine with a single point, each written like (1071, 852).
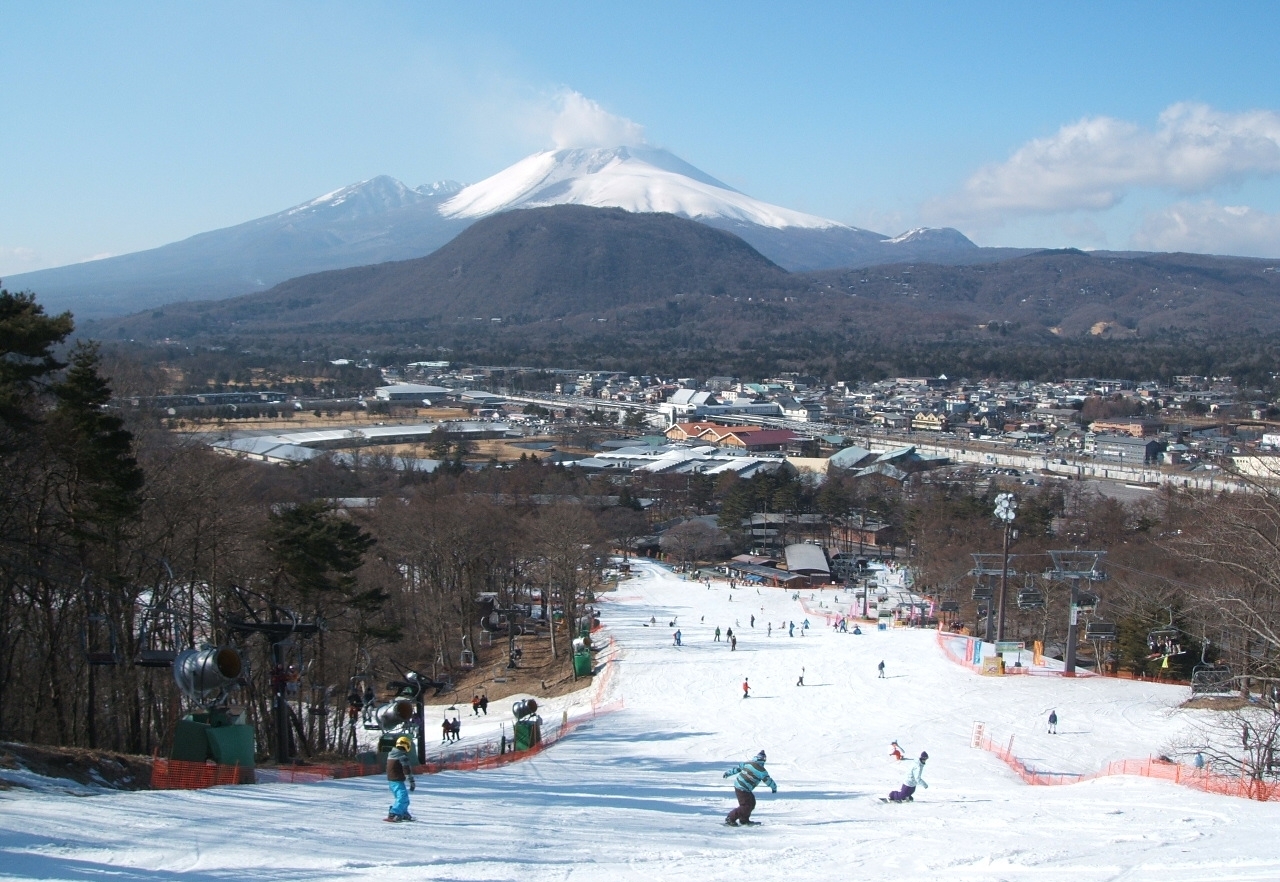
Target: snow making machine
(218, 731)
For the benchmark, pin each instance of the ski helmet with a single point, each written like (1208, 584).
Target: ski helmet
(760, 757)
(924, 755)
(404, 743)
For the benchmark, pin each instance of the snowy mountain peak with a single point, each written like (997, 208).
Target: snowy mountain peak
(631, 178)
(375, 195)
(947, 236)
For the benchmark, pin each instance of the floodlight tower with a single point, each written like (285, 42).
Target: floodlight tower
(1073, 567)
(1006, 511)
(985, 569)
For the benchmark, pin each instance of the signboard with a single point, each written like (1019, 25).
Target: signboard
(1010, 646)
(979, 732)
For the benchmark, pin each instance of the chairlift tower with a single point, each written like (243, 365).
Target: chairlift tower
(986, 568)
(1074, 567)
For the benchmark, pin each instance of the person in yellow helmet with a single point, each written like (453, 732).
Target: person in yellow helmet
(400, 779)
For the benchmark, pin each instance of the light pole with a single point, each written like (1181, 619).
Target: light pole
(1006, 510)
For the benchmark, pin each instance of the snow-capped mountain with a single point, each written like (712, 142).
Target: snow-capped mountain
(631, 178)
(382, 219)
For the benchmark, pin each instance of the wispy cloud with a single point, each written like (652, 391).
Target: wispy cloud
(1206, 227)
(1091, 164)
(579, 121)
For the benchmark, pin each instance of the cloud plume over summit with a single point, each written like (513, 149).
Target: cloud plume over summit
(581, 122)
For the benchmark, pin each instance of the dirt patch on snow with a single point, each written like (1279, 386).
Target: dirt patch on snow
(92, 768)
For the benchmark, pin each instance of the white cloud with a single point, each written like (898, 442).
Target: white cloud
(1091, 164)
(1209, 228)
(581, 122)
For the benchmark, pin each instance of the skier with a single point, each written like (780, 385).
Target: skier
(915, 778)
(400, 770)
(1053, 722)
(749, 775)
(717, 640)
(770, 634)
(746, 689)
(484, 705)
(791, 631)
(733, 644)
(880, 668)
(676, 637)
(894, 750)
(445, 730)
(753, 621)
(475, 705)
(800, 682)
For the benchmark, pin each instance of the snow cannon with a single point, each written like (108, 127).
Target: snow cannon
(200, 673)
(528, 725)
(393, 714)
(218, 732)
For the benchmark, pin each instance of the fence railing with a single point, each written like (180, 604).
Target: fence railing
(1197, 779)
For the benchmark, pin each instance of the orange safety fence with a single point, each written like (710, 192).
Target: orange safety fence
(169, 774)
(1198, 779)
(958, 648)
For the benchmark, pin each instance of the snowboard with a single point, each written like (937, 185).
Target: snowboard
(743, 824)
(896, 801)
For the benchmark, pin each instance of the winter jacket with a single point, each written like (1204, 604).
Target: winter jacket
(399, 765)
(915, 777)
(750, 775)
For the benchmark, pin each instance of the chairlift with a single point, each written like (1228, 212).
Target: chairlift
(158, 639)
(466, 658)
(949, 606)
(100, 640)
(1104, 631)
(1030, 599)
(1087, 601)
(983, 592)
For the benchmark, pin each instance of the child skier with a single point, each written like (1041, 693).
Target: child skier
(915, 778)
(746, 689)
(894, 750)
(749, 776)
(400, 771)
(1053, 722)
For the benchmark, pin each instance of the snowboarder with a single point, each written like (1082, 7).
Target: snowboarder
(1053, 722)
(800, 682)
(770, 634)
(717, 640)
(746, 689)
(748, 777)
(733, 644)
(791, 630)
(728, 632)
(880, 668)
(915, 778)
(400, 771)
(445, 730)
(753, 621)
(676, 637)
(484, 705)
(894, 750)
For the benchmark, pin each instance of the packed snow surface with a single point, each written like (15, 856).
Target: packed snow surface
(639, 793)
(632, 178)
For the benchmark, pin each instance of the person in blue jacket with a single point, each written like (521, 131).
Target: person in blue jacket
(746, 777)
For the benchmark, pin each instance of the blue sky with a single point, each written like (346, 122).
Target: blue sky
(1107, 125)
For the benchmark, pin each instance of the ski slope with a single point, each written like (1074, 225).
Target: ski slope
(639, 794)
